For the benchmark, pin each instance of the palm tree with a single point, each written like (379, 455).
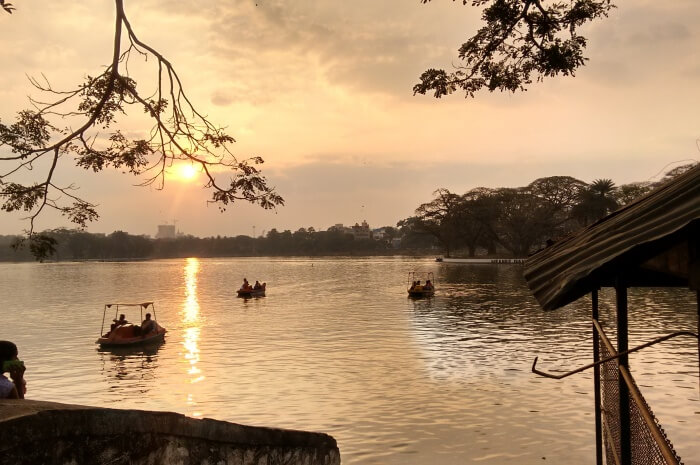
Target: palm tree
(595, 201)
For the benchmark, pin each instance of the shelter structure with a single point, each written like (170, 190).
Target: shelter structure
(652, 242)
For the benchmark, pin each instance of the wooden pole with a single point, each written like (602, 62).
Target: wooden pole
(596, 382)
(623, 361)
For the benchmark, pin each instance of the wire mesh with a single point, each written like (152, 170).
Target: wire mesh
(645, 446)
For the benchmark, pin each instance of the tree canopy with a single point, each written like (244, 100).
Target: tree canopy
(82, 123)
(520, 40)
(518, 221)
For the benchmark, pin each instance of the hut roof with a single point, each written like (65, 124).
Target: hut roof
(653, 241)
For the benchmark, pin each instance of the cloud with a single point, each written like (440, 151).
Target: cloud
(222, 98)
(660, 32)
(322, 91)
(278, 48)
(643, 42)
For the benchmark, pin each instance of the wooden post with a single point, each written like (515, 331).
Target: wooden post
(623, 345)
(596, 382)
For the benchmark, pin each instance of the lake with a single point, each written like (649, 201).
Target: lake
(336, 346)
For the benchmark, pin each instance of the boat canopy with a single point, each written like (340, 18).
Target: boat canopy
(143, 305)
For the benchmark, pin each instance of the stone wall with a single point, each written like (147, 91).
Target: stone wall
(33, 432)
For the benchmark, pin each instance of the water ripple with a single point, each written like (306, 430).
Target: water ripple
(336, 346)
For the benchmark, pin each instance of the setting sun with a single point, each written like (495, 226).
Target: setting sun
(186, 172)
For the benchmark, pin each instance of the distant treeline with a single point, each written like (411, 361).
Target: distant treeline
(81, 245)
(500, 222)
(519, 221)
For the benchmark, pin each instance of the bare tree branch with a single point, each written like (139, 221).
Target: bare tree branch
(179, 133)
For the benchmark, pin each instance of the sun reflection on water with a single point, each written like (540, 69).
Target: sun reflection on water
(192, 322)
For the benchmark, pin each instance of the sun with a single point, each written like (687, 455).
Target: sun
(186, 172)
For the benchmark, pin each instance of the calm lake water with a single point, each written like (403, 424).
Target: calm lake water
(336, 346)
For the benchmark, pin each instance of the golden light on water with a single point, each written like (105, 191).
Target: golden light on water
(191, 306)
(191, 321)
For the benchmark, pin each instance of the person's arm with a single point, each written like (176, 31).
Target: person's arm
(17, 375)
(13, 394)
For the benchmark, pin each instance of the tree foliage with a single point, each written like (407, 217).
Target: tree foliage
(6, 6)
(595, 201)
(518, 221)
(81, 124)
(440, 218)
(520, 40)
(74, 244)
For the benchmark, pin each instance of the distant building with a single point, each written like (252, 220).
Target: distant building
(379, 234)
(166, 231)
(359, 231)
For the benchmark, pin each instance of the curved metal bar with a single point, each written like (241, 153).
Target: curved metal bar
(612, 357)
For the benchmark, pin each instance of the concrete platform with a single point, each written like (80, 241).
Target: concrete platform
(35, 432)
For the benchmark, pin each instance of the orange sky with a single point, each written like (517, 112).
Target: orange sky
(322, 91)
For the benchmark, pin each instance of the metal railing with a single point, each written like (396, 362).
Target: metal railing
(648, 442)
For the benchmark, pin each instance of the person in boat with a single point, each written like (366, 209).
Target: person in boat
(246, 285)
(147, 326)
(257, 285)
(428, 286)
(117, 323)
(9, 363)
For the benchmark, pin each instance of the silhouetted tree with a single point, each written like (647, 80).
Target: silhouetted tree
(675, 172)
(481, 209)
(595, 201)
(441, 218)
(523, 223)
(520, 39)
(36, 140)
(413, 236)
(627, 193)
(559, 194)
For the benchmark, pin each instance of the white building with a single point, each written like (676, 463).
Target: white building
(166, 231)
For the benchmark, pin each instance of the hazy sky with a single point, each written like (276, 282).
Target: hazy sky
(322, 91)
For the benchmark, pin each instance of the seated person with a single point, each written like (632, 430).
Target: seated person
(9, 362)
(257, 285)
(120, 322)
(246, 285)
(148, 326)
(428, 285)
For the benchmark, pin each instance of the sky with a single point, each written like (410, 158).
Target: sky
(322, 91)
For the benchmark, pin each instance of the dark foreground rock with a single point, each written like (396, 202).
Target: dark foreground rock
(33, 432)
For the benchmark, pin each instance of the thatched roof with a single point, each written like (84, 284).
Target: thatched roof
(650, 242)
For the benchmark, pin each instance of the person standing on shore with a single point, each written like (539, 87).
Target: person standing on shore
(9, 362)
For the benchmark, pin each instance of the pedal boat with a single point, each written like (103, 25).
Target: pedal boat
(415, 289)
(252, 292)
(127, 335)
(418, 291)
